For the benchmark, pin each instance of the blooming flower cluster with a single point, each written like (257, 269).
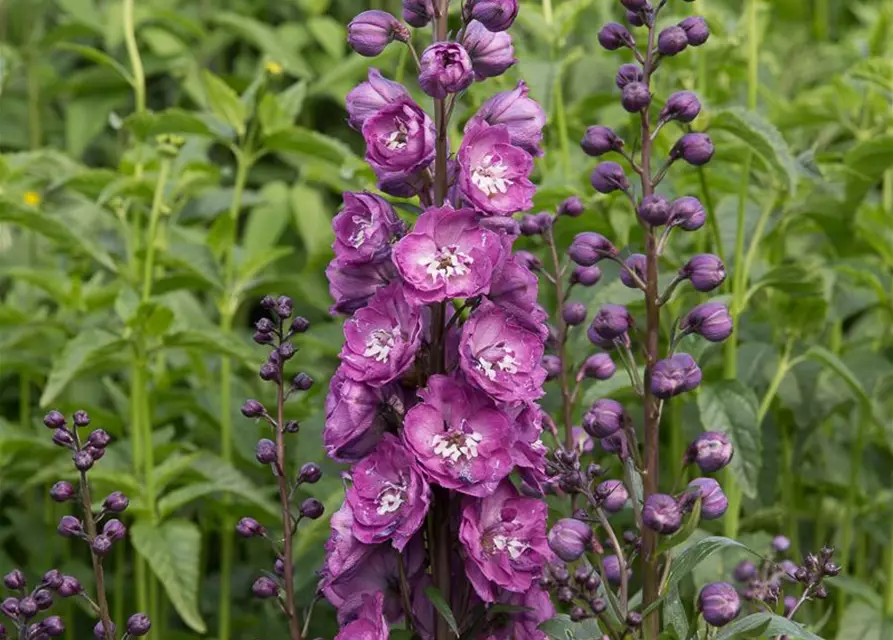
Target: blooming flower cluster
(435, 401)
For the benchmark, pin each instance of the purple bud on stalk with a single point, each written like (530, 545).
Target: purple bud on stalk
(286, 351)
(95, 452)
(627, 74)
(604, 418)
(27, 607)
(265, 451)
(687, 213)
(570, 539)
(654, 210)
(445, 69)
(695, 148)
(269, 372)
(116, 502)
(672, 40)
(612, 36)
(263, 338)
(101, 545)
(574, 313)
(599, 140)
(312, 508)
(15, 579)
(612, 321)
(612, 494)
(789, 603)
(81, 418)
(608, 177)
(662, 513)
(69, 527)
(252, 409)
(635, 19)
(745, 570)
(599, 367)
(284, 304)
(268, 302)
(713, 501)
(310, 473)
(292, 426)
(264, 588)
(634, 5)
(572, 207)
(300, 324)
(138, 624)
(53, 579)
(719, 603)
(496, 15)
(612, 569)
(70, 587)
(528, 260)
(677, 374)
(552, 365)
(781, 543)
(43, 598)
(589, 247)
(264, 325)
(371, 31)
(83, 460)
(114, 530)
(491, 52)
(586, 276)
(52, 626)
(545, 220)
(710, 320)
(683, 106)
(54, 420)
(706, 272)
(250, 528)
(99, 439)
(418, 13)
(636, 263)
(63, 438)
(302, 382)
(10, 607)
(711, 451)
(279, 567)
(99, 630)
(696, 30)
(635, 97)
(62, 491)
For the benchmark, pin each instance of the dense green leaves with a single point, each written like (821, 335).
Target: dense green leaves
(764, 624)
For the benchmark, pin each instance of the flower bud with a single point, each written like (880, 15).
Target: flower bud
(52, 626)
(300, 324)
(138, 624)
(781, 543)
(572, 207)
(70, 587)
(589, 247)
(69, 527)
(672, 40)
(612, 321)
(250, 528)
(302, 382)
(116, 502)
(604, 418)
(574, 313)
(745, 570)
(284, 304)
(683, 106)
(263, 338)
(706, 272)
(612, 36)
(312, 508)
(10, 607)
(633, 619)
(654, 210)
(586, 276)
(99, 630)
(612, 569)
(635, 97)
(637, 263)
(687, 213)
(95, 452)
(101, 545)
(545, 220)
(600, 140)
(565, 595)
(570, 539)
(711, 451)
(252, 409)
(62, 491)
(831, 569)
(310, 473)
(719, 603)
(501, 224)
(598, 605)
(530, 225)
(445, 69)
(635, 18)
(491, 53)
(612, 494)
(81, 418)
(578, 614)
(608, 177)
(99, 439)
(496, 15)
(265, 451)
(62, 437)
(269, 372)
(696, 30)
(52, 579)
(286, 351)
(114, 530)
(83, 461)
(27, 607)
(662, 513)
(371, 31)
(15, 580)
(552, 365)
(264, 588)
(528, 260)
(695, 148)
(599, 367)
(627, 74)
(674, 375)
(265, 325)
(710, 320)
(789, 603)
(713, 501)
(268, 303)
(635, 5)
(54, 420)
(418, 13)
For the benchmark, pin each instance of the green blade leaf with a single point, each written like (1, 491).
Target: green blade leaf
(84, 351)
(437, 599)
(561, 627)
(99, 57)
(835, 364)
(267, 40)
(225, 102)
(696, 554)
(764, 624)
(310, 144)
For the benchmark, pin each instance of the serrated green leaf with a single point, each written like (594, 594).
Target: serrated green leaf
(225, 102)
(82, 352)
(313, 222)
(310, 144)
(561, 627)
(436, 598)
(696, 554)
(266, 39)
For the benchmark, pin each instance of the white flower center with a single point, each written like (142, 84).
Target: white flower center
(507, 544)
(396, 139)
(359, 237)
(380, 342)
(456, 445)
(447, 262)
(500, 359)
(490, 178)
(390, 499)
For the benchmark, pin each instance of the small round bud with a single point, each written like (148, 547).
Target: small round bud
(445, 68)
(312, 508)
(99, 439)
(300, 324)
(302, 382)
(789, 603)
(713, 501)
(249, 528)
(114, 530)
(95, 452)
(588, 248)
(627, 74)
(28, 607)
(612, 569)
(820, 592)
(569, 539)
(310, 473)
(116, 502)
(371, 31)
(10, 607)
(635, 19)
(269, 372)
(62, 491)
(677, 374)
(268, 303)
(530, 226)
(662, 513)
(101, 545)
(574, 313)
(604, 418)
(599, 367)
(138, 624)
(597, 141)
(705, 271)
(683, 106)
(286, 351)
(528, 260)
(53, 626)
(15, 580)
(719, 603)
(635, 5)
(696, 30)
(52, 579)
(265, 451)
(598, 605)
(635, 97)
(559, 572)
(83, 460)
(745, 570)
(253, 409)
(593, 582)
(279, 567)
(687, 213)
(612, 494)
(292, 426)
(81, 419)
(578, 614)
(70, 587)
(54, 420)
(552, 365)
(70, 527)
(612, 321)
(633, 619)
(495, 15)
(608, 177)
(99, 630)
(263, 338)
(711, 451)
(672, 40)
(637, 263)
(586, 276)
(654, 210)
(264, 588)
(695, 148)
(571, 207)
(711, 320)
(265, 325)
(63, 438)
(565, 595)
(781, 543)
(612, 36)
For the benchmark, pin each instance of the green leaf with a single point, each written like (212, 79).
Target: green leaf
(675, 614)
(312, 221)
(174, 121)
(731, 407)
(561, 627)
(225, 102)
(861, 622)
(268, 220)
(835, 364)
(310, 144)
(793, 279)
(764, 624)
(762, 138)
(99, 57)
(173, 551)
(436, 598)
(82, 352)
(690, 526)
(867, 161)
(212, 341)
(266, 39)
(329, 34)
(694, 555)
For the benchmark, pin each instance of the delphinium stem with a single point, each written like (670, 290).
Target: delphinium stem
(567, 404)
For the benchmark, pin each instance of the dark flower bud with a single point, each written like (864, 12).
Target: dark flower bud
(696, 30)
(677, 374)
(370, 32)
(636, 263)
(101, 545)
(599, 367)
(302, 382)
(612, 569)
(581, 573)
(264, 588)
(781, 543)
(265, 451)
(812, 562)
(604, 418)
(710, 320)
(54, 420)
(502, 225)
(284, 304)
(831, 569)
(292, 426)
(63, 438)
(10, 608)
(570, 539)
(801, 574)
(719, 603)
(627, 74)
(574, 313)
(745, 570)
(571, 207)
(300, 324)
(286, 351)
(99, 630)
(635, 18)
(312, 508)
(279, 567)
(706, 272)
(711, 451)
(612, 494)
(249, 528)
(695, 148)
(559, 572)
(616, 444)
(589, 247)
(81, 419)
(598, 605)
(633, 619)
(578, 614)
(598, 141)
(445, 68)
(586, 276)
(552, 365)
(69, 527)
(116, 502)
(138, 624)
(95, 452)
(530, 225)
(15, 579)
(265, 325)
(310, 473)
(789, 603)
(62, 491)
(635, 5)
(263, 338)
(687, 213)
(654, 210)
(70, 587)
(528, 260)
(418, 13)
(99, 439)
(565, 595)
(683, 106)
(269, 372)
(609, 177)
(114, 530)
(593, 582)
(268, 303)
(571, 481)
(612, 36)
(252, 409)
(827, 552)
(53, 626)
(635, 97)
(821, 592)
(661, 513)
(672, 40)
(83, 460)
(53, 579)
(713, 501)
(612, 321)
(496, 15)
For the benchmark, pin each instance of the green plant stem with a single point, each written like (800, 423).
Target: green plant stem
(888, 595)
(133, 53)
(154, 218)
(853, 488)
(820, 20)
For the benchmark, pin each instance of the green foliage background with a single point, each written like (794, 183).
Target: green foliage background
(129, 279)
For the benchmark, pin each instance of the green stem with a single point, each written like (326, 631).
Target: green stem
(847, 524)
(154, 218)
(136, 63)
(561, 119)
(888, 596)
(820, 20)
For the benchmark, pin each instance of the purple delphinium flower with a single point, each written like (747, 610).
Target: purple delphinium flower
(445, 69)
(369, 622)
(496, 15)
(381, 339)
(719, 603)
(352, 285)
(460, 439)
(514, 289)
(677, 374)
(369, 97)
(500, 356)
(447, 255)
(706, 272)
(399, 139)
(388, 496)
(522, 115)
(491, 52)
(570, 538)
(713, 501)
(494, 174)
(371, 31)
(343, 551)
(711, 451)
(365, 228)
(534, 607)
(504, 536)
(711, 320)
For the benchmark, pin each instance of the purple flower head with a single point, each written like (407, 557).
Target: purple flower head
(365, 228)
(687, 213)
(781, 543)
(682, 106)
(138, 624)
(635, 18)
(574, 313)
(501, 356)
(745, 570)
(711, 451)
(598, 141)
(388, 496)
(343, 551)
(608, 177)
(491, 52)
(586, 276)
(662, 513)
(418, 13)
(382, 338)
(514, 289)
(635, 5)
(672, 40)
(351, 286)
(371, 96)
(617, 444)
(371, 31)
(399, 139)
(612, 321)
(713, 501)
(445, 69)
(637, 264)
(522, 115)
(599, 367)
(612, 569)
(369, 622)
(627, 74)
(696, 30)
(447, 255)
(589, 248)
(612, 494)
(612, 36)
(504, 536)
(459, 437)
(654, 210)
(493, 173)
(604, 418)
(635, 97)
(356, 416)
(706, 272)
(570, 539)
(572, 207)
(710, 320)
(535, 608)
(496, 15)
(674, 375)
(719, 603)
(695, 148)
